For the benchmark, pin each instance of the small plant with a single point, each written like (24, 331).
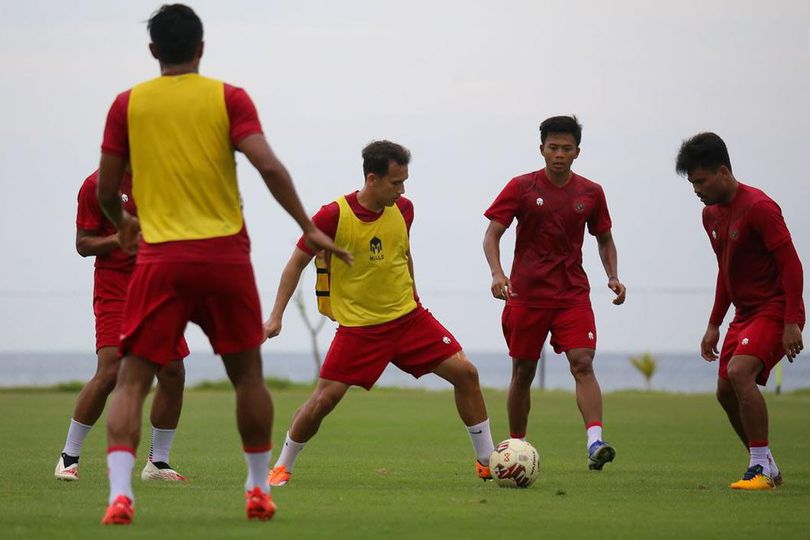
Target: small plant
(647, 365)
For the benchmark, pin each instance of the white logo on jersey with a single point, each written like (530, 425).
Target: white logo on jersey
(714, 235)
(124, 198)
(590, 336)
(446, 340)
(540, 201)
(745, 341)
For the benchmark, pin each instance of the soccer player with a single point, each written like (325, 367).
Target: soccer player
(96, 236)
(548, 290)
(380, 317)
(761, 274)
(179, 132)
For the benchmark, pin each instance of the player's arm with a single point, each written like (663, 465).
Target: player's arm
(280, 184)
(90, 243)
(110, 174)
(501, 285)
(722, 301)
(609, 256)
(286, 288)
(790, 269)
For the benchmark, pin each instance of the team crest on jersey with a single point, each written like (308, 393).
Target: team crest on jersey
(714, 235)
(579, 207)
(376, 248)
(124, 198)
(446, 340)
(733, 234)
(590, 336)
(745, 341)
(539, 201)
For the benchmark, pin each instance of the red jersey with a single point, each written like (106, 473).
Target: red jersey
(547, 269)
(744, 234)
(243, 121)
(89, 217)
(327, 217)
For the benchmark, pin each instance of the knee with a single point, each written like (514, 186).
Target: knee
(523, 373)
(323, 403)
(581, 366)
(740, 375)
(172, 374)
(467, 376)
(106, 379)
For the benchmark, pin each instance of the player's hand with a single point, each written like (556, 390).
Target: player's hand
(617, 287)
(501, 286)
(129, 233)
(272, 327)
(320, 241)
(792, 341)
(708, 345)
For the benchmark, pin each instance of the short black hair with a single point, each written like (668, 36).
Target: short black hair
(176, 32)
(561, 124)
(378, 154)
(703, 151)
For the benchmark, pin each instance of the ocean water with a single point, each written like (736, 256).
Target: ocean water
(676, 372)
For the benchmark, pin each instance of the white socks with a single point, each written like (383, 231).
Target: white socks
(77, 432)
(772, 463)
(120, 462)
(258, 467)
(482, 441)
(289, 452)
(161, 444)
(759, 456)
(594, 433)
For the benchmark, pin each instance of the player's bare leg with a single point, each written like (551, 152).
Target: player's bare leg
(463, 375)
(254, 418)
(589, 401)
(124, 430)
(519, 400)
(89, 406)
(727, 398)
(93, 397)
(305, 424)
(165, 415)
(307, 419)
(742, 373)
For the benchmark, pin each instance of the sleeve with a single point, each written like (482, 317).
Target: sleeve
(327, 221)
(116, 133)
(766, 219)
(505, 207)
(88, 213)
(406, 207)
(242, 114)
(721, 302)
(790, 268)
(599, 220)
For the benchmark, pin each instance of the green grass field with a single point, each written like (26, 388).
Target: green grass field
(399, 464)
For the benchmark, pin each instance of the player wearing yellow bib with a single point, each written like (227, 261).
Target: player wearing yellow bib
(374, 301)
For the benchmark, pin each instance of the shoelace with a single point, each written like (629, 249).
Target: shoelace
(752, 472)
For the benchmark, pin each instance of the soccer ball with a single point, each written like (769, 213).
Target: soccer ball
(514, 463)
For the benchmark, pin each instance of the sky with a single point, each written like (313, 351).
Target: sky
(462, 84)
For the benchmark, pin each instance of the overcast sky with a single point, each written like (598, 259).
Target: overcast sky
(464, 85)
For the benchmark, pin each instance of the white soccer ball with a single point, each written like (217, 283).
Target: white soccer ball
(514, 463)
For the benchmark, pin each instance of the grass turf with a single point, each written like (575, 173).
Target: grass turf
(399, 464)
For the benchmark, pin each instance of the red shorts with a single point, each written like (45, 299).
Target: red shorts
(526, 328)
(109, 297)
(164, 296)
(760, 337)
(416, 343)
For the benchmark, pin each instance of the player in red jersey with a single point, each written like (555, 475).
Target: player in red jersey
(380, 318)
(96, 236)
(179, 132)
(760, 273)
(547, 290)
